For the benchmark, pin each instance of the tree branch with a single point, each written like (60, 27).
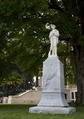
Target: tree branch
(52, 5)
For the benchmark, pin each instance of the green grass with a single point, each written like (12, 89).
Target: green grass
(21, 112)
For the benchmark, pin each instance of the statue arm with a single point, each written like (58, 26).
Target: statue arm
(52, 34)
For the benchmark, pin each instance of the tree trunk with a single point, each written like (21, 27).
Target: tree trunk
(79, 56)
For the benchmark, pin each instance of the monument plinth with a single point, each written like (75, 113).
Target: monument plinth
(53, 83)
(53, 91)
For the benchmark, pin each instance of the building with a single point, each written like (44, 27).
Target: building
(33, 96)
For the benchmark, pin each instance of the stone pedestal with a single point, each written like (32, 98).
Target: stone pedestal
(53, 96)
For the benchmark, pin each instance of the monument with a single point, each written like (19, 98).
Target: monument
(53, 96)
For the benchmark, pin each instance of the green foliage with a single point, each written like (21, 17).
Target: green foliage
(13, 78)
(24, 38)
(19, 30)
(1, 94)
(66, 55)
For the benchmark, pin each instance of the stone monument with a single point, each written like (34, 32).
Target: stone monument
(53, 96)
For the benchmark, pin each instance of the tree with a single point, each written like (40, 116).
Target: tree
(26, 35)
(73, 11)
(66, 56)
(21, 36)
(13, 84)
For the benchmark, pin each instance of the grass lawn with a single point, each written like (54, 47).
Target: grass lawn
(21, 112)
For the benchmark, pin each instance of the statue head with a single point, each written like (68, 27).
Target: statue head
(52, 26)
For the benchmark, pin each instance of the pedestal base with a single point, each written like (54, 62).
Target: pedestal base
(53, 92)
(52, 110)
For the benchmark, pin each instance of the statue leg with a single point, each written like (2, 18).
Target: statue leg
(50, 52)
(56, 51)
(53, 51)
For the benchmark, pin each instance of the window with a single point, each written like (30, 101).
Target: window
(72, 95)
(75, 95)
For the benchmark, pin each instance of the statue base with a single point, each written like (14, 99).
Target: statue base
(53, 91)
(52, 110)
